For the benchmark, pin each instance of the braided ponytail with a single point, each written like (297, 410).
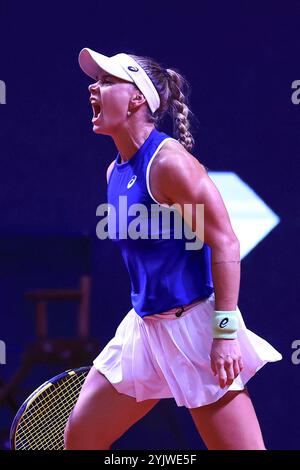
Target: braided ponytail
(173, 90)
(179, 109)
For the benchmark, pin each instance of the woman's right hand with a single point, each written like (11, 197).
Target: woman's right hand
(226, 360)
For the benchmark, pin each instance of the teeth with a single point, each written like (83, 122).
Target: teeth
(96, 109)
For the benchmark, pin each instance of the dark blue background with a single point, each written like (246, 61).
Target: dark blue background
(240, 61)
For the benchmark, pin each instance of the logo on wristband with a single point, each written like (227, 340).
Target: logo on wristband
(223, 323)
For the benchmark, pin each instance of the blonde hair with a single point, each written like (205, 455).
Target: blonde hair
(173, 91)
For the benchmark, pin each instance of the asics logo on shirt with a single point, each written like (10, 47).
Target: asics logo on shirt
(132, 181)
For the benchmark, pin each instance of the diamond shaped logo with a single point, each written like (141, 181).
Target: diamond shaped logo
(251, 219)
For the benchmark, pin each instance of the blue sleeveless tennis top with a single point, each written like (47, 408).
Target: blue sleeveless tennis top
(163, 273)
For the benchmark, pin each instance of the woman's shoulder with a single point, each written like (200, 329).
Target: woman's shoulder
(174, 168)
(172, 155)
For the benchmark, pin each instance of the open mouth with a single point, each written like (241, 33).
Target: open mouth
(96, 109)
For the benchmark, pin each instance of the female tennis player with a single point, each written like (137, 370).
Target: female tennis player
(184, 337)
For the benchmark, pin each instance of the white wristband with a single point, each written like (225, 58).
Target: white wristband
(224, 324)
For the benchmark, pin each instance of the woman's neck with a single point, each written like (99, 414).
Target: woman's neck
(129, 140)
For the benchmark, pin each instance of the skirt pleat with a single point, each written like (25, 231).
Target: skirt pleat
(164, 356)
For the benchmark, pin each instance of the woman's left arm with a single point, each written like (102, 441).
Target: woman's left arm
(179, 178)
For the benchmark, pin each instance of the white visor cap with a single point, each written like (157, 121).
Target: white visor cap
(122, 66)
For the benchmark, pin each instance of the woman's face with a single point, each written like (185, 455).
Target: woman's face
(110, 98)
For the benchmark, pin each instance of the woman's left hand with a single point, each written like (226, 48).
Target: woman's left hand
(226, 360)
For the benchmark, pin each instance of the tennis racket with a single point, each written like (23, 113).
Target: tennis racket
(40, 422)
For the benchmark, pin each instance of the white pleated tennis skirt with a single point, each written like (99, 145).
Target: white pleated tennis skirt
(165, 356)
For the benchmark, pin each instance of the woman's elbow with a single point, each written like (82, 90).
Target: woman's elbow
(225, 244)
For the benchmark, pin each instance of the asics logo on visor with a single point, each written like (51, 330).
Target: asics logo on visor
(223, 323)
(133, 69)
(132, 181)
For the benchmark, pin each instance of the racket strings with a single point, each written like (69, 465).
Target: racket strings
(57, 406)
(42, 424)
(51, 407)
